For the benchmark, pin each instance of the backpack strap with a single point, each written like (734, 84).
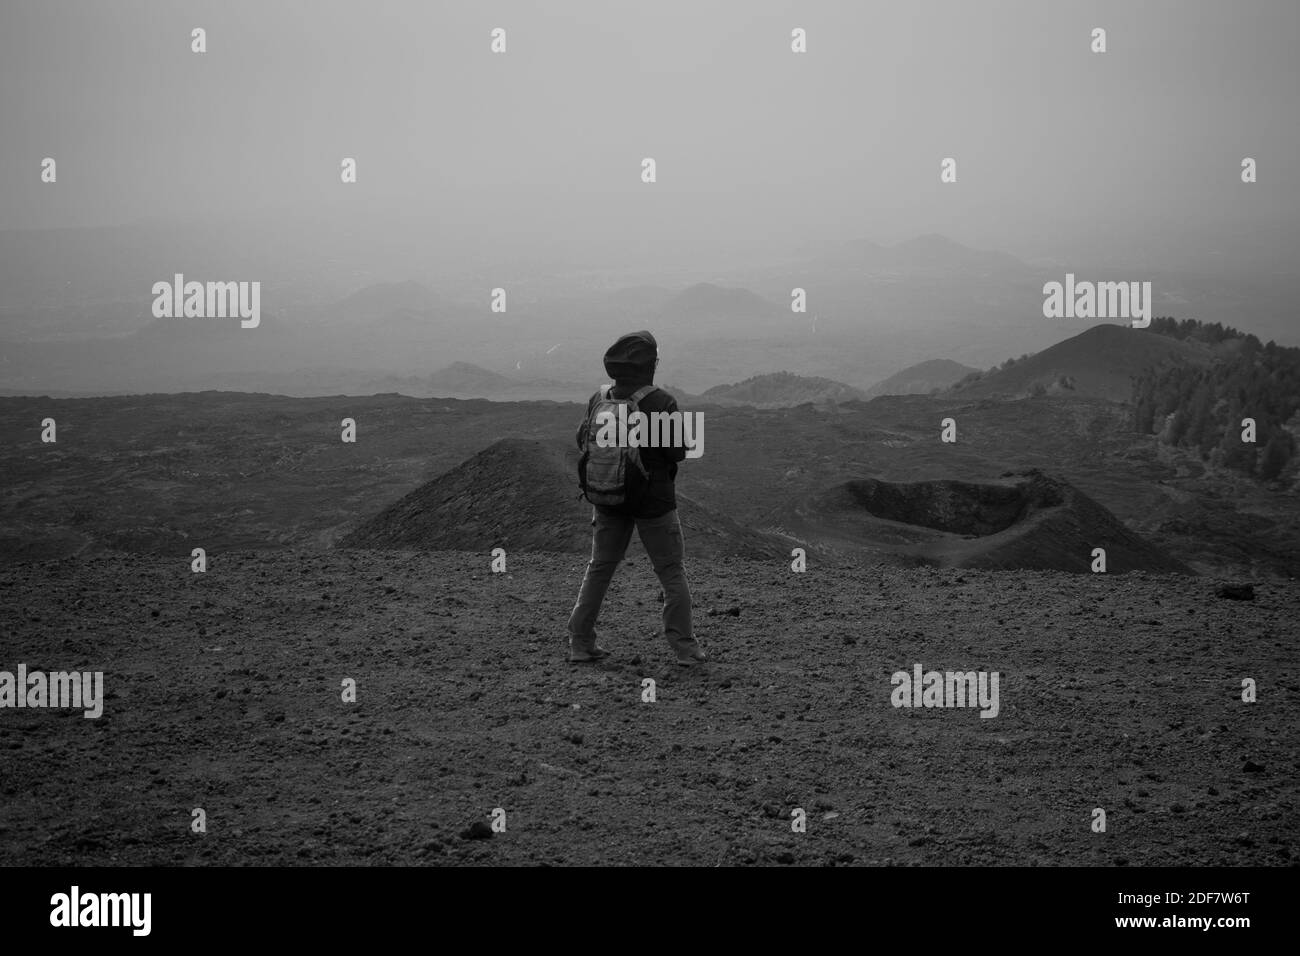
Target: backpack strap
(635, 399)
(642, 392)
(602, 394)
(606, 393)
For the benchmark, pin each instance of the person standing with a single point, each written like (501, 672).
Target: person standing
(650, 507)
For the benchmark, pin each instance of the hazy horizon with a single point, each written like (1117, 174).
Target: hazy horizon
(522, 171)
(1060, 151)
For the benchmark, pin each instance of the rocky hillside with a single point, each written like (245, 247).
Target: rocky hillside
(519, 494)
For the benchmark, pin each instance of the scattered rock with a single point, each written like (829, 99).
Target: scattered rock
(478, 830)
(1236, 592)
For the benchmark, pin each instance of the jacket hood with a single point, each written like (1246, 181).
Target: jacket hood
(631, 360)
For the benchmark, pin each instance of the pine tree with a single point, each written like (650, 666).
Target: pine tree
(1277, 453)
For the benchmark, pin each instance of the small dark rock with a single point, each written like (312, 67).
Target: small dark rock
(1251, 767)
(1236, 592)
(478, 830)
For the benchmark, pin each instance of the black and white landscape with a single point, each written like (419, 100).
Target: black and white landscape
(322, 643)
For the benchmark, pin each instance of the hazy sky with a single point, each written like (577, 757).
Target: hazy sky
(1141, 144)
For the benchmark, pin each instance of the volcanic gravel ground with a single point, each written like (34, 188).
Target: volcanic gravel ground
(223, 691)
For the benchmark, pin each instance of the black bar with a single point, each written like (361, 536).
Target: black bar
(372, 905)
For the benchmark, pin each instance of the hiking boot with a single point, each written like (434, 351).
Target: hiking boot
(585, 650)
(689, 653)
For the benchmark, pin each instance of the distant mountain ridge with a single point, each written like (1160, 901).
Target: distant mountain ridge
(781, 389)
(1100, 362)
(466, 378)
(706, 309)
(869, 305)
(374, 301)
(922, 378)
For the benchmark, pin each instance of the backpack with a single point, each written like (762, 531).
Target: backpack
(608, 476)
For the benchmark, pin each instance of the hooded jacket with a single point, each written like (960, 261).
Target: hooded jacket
(630, 362)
